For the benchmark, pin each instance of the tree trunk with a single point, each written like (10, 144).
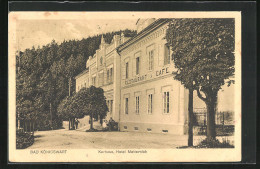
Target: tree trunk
(190, 118)
(33, 127)
(19, 123)
(51, 117)
(69, 86)
(211, 111)
(91, 120)
(69, 123)
(30, 126)
(101, 120)
(73, 123)
(26, 126)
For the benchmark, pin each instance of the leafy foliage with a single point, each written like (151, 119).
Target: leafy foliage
(203, 51)
(43, 75)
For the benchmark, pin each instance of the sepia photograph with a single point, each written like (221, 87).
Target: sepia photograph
(124, 86)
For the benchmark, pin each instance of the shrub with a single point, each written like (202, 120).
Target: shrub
(215, 144)
(112, 125)
(23, 139)
(92, 130)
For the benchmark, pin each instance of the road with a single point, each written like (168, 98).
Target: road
(79, 139)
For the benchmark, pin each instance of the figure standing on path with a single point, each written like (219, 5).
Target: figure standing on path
(76, 123)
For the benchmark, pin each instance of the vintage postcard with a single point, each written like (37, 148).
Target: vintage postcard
(124, 86)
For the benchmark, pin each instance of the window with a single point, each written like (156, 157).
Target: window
(111, 106)
(101, 79)
(126, 105)
(126, 70)
(137, 65)
(94, 81)
(166, 54)
(108, 78)
(151, 57)
(150, 104)
(166, 105)
(137, 103)
(111, 75)
(107, 102)
(101, 60)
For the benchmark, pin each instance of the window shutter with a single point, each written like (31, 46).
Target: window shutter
(160, 55)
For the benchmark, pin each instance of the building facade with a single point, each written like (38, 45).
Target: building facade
(136, 75)
(103, 70)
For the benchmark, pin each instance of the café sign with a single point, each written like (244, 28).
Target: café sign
(148, 76)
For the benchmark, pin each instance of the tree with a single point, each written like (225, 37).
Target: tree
(71, 108)
(203, 53)
(25, 104)
(92, 102)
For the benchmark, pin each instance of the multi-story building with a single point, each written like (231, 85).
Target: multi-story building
(136, 75)
(151, 100)
(103, 70)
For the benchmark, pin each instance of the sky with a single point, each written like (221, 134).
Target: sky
(41, 32)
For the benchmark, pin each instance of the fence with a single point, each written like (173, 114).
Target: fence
(224, 122)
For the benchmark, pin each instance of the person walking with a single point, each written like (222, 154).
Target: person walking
(77, 123)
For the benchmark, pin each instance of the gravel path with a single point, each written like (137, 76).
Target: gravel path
(79, 139)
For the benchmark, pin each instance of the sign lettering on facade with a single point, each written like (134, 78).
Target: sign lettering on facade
(144, 77)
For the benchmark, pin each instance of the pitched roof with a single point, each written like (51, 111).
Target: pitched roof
(142, 33)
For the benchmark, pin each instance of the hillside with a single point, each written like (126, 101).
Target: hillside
(43, 75)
